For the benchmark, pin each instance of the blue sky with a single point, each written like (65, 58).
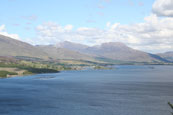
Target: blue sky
(141, 24)
(17, 14)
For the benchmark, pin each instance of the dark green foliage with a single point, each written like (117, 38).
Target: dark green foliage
(171, 107)
(40, 70)
(5, 73)
(29, 66)
(35, 65)
(27, 73)
(100, 67)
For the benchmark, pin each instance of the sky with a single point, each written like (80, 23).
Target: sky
(145, 25)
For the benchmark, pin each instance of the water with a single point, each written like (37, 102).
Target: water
(126, 90)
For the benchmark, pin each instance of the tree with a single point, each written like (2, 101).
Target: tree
(171, 107)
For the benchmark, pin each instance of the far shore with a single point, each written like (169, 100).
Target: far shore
(7, 72)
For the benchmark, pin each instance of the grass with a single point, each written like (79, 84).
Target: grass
(101, 67)
(6, 73)
(28, 65)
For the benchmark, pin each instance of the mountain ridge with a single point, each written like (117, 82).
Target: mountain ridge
(76, 51)
(167, 55)
(117, 51)
(13, 47)
(63, 53)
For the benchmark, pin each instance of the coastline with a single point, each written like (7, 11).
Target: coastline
(26, 71)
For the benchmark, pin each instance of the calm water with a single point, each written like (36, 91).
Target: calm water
(127, 90)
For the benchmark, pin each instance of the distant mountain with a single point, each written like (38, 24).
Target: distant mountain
(63, 53)
(114, 51)
(72, 46)
(167, 55)
(119, 51)
(12, 47)
(22, 50)
(67, 50)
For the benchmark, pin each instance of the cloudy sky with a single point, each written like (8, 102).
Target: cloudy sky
(141, 24)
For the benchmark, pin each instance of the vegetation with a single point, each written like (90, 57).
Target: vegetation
(171, 105)
(100, 67)
(22, 67)
(29, 65)
(40, 70)
(6, 73)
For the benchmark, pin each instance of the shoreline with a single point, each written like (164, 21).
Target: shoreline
(25, 72)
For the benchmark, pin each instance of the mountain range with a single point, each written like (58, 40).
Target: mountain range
(167, 55)
(68, 50)
(113, 51)
(12, 47)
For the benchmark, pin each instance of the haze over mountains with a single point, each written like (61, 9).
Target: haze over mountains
(112, 50)
(63, 53)
(167, 55)
(68, 50)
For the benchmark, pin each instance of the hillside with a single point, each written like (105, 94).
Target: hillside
(63, 53)
(167, 55)
(114, 51)
(74, 51)
(12, 47)
(72, 46)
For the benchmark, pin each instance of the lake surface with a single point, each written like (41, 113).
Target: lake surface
(126, 90)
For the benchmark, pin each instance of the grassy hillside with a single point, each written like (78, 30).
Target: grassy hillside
(10, 66)
(113, 51)
(12, 47)
(167, 55)
(62, 53)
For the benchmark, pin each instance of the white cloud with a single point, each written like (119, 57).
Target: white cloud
(68, 27)
(2, 27)
(5, 33)
(153, 35)
(163, 8)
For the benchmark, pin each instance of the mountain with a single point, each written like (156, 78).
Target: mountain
(167, 55)
(63, 53)
(114, 51)
(67, 50)
(72, 46)
(12, 47)
(119, 51)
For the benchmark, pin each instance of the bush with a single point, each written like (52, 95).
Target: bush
(27, 73)
(5, 73)
(41, 70)
(31, 70)
(171, 107)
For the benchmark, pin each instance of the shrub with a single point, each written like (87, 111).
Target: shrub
(5, 73)
(171, 107)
